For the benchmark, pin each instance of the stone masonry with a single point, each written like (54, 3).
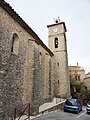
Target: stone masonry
(27, 72)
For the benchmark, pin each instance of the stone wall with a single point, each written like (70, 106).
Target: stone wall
(29, 71)
(25, 77)
(42, 80)
(11, 66)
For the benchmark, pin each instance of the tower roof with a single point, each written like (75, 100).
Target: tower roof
(56, 24)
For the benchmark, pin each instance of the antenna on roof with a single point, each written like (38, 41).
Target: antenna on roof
(57, 20)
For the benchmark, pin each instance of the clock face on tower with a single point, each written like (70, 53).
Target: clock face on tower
(55, 29)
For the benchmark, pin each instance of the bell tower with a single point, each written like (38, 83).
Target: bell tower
(58, 45)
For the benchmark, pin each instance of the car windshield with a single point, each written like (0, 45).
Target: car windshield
(71, 102)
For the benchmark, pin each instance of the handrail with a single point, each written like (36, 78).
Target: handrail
(22, 112)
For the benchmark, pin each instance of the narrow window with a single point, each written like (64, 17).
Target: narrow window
(56, 42)
(75, 77)
(15, 44)
(78, 78)
(40, 58)
(58, 81)
(57, 64)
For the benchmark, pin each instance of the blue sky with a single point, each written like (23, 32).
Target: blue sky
(76, 15)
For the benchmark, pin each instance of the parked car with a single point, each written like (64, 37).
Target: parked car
(88, 107)
(73, 105)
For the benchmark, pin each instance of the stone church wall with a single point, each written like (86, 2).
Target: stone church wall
(42, 80)
(25, 77)
(11, 65)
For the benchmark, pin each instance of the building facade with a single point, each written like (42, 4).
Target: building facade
(30, 72)
(77, 75)
(77, 72)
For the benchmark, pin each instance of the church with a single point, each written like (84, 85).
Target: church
(30, 72)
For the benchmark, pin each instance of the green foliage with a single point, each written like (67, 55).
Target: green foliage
(85, 94)
(81, 90)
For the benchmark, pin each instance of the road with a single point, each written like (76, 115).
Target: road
(60, 115)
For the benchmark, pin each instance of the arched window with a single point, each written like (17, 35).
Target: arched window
(56, 42)
(15, 44)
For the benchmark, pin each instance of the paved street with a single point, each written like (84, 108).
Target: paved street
(60, 115)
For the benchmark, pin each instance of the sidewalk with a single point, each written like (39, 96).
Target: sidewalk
(45, 106)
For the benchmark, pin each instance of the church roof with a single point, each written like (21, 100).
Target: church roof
(17, 18)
